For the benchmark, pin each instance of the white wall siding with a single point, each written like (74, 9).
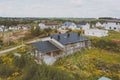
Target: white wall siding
(96, 32)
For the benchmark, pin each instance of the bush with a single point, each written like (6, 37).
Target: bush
(44, 72)
(23, 61)
(106, 44)
(6, 70)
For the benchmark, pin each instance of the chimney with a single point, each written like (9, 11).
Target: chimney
(78, 34)
(49, 34)
(58, 37)
(68, 35)
(51, 37)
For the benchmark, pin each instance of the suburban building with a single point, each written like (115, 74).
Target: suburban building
(59, 45)
(3, 28)
(19, 27)
(100, 24)
(52, 25)
(109, 25)
(69, 25)
(83, 26)
(96, 32)
(112, 26)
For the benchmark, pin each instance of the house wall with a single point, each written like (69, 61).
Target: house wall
(98, 24)
(52, 26)
(75, 47)
(85, 27)
(112, 26)
(43, 26)
(95, 32)
(69, 25)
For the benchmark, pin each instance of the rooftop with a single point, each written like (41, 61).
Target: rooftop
(69, 38)
(45, 46)
(82, 23)
(68, 24)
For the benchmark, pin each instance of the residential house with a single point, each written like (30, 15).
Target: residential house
(112, 26)
(83, 26)
(23, 27)
(42, 26)
(52, 25)
(69, 25)
(96, 32)
(12, 28)
(19, 27)
(109, 25)
(3, 28)
(60, 45)
(100, 24)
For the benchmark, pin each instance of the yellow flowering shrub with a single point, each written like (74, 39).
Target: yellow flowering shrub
(9, 78)
(15, 74)
(7, 60)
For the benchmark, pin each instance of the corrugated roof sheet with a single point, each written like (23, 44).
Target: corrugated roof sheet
(45, 46)
(68, 38)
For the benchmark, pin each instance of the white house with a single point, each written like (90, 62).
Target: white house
(99, 24)
(42, 25)
(109, 25)
(112, 26)
(2, 28)
(83, 26)
(19, 27)
(96, 32)
(52, 25)
(69, 25)
(13, 28)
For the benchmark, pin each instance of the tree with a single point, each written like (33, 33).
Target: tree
(23, 61)
(44, 72)
(35, 31)
(1, 43)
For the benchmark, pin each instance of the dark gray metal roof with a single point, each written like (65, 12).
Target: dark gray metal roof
(45, 46)
(82, 23)
(68, 38)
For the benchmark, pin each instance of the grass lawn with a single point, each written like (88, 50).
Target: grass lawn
(91, 64)
(113, 35)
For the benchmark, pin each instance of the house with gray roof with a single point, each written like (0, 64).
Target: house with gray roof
(69, 25)
(52, 25)
(60, 45)
(83, 26)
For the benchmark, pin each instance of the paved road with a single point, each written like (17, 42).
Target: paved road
(11, 49)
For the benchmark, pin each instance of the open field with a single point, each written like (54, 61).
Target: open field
(91, 64)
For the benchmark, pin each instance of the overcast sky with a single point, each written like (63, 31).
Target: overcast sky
(60, 8)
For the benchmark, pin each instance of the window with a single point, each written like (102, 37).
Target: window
(110, 28)
(114, 28)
